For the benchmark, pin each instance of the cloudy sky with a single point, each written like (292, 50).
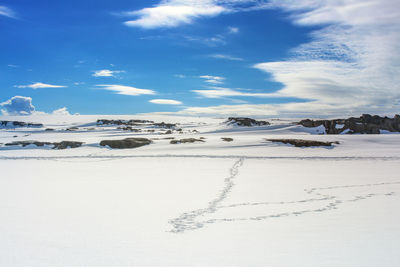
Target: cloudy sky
(293, 58)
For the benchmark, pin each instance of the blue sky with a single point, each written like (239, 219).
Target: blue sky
(205, 57)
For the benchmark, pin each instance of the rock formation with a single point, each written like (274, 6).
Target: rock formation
(302, 143)
(19, 124)
(122, 122)
(137, 123)
(366, 124)
(246, 122)
(165, 125)
(186, 140)
(126, 143)
(56, 145)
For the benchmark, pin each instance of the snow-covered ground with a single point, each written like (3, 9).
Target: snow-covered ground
(249, 202)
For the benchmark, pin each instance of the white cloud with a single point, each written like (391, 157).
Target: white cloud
(126, 90)
(40, 85)
(351, 66)
(18, 105)
(106, 73)
(180, 76)
(352, 63)
(165, 102)
(62, 111)
(173, 13)
(227, 57)
(213, 79)
(22, 105)
(233, 30)
(218, 92)
(286, 110)
(350, 12)
(216, 40)
(5, 11)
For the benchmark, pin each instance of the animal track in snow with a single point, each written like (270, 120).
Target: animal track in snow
(190, 220)
(187, 221)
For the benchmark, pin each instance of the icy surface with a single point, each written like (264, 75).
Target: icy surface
(248, 202)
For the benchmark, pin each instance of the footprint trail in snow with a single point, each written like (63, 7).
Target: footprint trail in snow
(329, 200)
(187, 221)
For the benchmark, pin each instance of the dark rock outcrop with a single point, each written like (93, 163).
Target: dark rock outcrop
(137, 123)
(123, 122)
(186, 140)
(246, 122)
(129, 128)
(165, 125)
(27, 143)
(366, 124)
(227, 139)
(126, 143)
(56, 145)
(67, 144)
(20, 124)
(71, 129)
(303, 143)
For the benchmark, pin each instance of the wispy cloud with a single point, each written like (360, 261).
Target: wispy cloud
(227, 57)
(233, 30)
(5, 11)
(216, 40)
(353, 63)
(173, 13)
(106, 73)
(351, 66)
(165, 102)
(212, 79)
(126, 90)
(286, 110)
(219, 92)
(39, 86)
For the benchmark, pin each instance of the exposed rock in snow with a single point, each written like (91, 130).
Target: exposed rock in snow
(187, 140)
(366, 124)
(246, 122)
(122, 122)
(165, 125)
(56, 145)
(14, 124)
(303, 143)
(126, 143)
(129, 128)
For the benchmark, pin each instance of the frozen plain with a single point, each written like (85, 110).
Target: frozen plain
(248, 202)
